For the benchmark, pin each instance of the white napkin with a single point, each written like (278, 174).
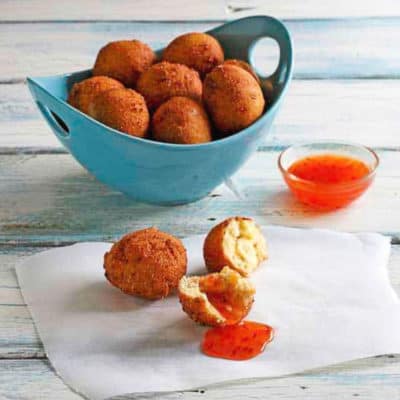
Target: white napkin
(326, 293)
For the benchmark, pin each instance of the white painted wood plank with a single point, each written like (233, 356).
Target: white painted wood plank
(364, 111)
(323, 49)
(123, 10)
(33, 380)
(93, 10)
(314, 8)
(51, 197)
(368, 379)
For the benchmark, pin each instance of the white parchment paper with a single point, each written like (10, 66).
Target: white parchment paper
(326, 293)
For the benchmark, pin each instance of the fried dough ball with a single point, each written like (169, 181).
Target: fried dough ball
(244, 65)
(221, 298)
(236, 242)
(181, 120)
(124, 60)
(122, 109)
(146, 263)
(83, 93)
(165, 80)
(233, 98)
(199, 51)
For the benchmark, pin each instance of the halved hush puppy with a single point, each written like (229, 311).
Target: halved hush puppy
(236, 242)
(181, 120)
(124, 60)
(122, 109)
(84, 93)
(165, 80)
(221, 298)
(146, 263)
(197, 50)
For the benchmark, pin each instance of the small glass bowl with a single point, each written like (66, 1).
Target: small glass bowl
(327, 196)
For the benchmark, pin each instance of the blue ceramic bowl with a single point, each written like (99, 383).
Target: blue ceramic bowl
(163, 173)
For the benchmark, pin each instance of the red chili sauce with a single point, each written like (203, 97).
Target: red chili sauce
(329, 181)
(237, 342)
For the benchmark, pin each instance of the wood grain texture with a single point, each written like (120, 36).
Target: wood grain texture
(51, 198)
(372, 378)
(94, 10)
(364, 111)
(47, 199)
(353, 48)
(314, 8)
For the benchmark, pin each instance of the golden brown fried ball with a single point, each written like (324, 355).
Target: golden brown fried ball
(146, 263)
(233, 98)
(221, 298)
(236, 242)
(244, 65)
(181, 120)
(122, 109)
(165, 80)
(124, 60)
(83, 93)
(199, 51)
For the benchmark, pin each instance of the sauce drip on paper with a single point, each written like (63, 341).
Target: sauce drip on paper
(237, 342)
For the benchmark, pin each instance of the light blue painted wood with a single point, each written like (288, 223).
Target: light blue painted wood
(325, 49)
(360, 110)
(51, 198)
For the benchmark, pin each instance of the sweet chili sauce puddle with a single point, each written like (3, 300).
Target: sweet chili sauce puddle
(237, 342)
(328, 181)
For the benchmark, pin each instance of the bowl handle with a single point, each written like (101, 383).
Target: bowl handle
(276, 30)
(57, 114)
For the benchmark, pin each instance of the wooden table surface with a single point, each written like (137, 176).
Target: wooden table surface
(346, 86)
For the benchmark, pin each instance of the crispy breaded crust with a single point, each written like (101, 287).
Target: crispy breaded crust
(146, 263)
(233, 98)
(238, 293)
(83, 93)
(224, 245)
(165, 80)
(199, 51)
(124, 60)
(244, 65)
(181, 120)
(122, 109)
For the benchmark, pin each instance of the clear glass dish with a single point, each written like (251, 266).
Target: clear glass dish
(327, 196)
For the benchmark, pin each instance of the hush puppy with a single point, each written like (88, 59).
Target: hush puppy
(122, 109)
(165, 80)
(221, 298)
(199, 51)
(83, 93)
(146, 263)
(244, 65)
(236, 242)
(233, 98)
(181, 120)
(124, 60)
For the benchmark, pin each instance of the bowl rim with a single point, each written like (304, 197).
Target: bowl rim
(329, 186)
(182, 147)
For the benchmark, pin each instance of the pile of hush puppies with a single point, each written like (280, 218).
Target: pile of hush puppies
(152, 264)
(192, 95)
